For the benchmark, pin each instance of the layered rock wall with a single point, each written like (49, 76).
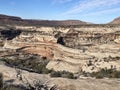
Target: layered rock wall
(80, 45)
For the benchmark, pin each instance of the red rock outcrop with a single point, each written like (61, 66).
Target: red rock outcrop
(116, 21)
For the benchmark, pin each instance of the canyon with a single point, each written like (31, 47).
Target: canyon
(68, 49)
(73, 48)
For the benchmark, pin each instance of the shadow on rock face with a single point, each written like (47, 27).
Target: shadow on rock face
(60, 41)
(10, 34)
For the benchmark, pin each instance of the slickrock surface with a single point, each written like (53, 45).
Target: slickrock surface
(61, 83)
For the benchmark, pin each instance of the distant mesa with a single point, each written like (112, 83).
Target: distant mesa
(4, 19)
(13, 20)
(8, 18)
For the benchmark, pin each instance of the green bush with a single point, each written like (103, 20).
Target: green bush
(13, 87)
(109, 73)
(63, 74)
(30, 64)
(55, 74)
(1, 80)
(38, 66)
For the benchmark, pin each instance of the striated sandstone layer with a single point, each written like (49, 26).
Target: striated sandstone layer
(73, 49)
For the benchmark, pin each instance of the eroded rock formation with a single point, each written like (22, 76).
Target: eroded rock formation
(69, 49)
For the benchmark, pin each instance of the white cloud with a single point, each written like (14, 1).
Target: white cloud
(107, 11)
(90, 5)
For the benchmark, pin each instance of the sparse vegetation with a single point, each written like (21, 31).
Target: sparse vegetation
(31, 64)
(1, 80)
(109, 73)
(89, 63)
(63, 74)
(37, 85)
(13, 87)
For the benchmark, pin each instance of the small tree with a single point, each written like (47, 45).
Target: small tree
(1, 80)
(19, 73)
(55, 74)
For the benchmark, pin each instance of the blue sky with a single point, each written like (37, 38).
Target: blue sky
(96, 11)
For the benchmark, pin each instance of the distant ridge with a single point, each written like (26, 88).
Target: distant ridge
(115, 21)
(5, 19)
(9, 17)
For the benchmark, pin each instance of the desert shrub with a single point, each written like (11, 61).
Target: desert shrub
(63, 74)
(97, 75)
(1, 80)
(30, 64)
(67, 75)
(55, 74)
(38, 66)
(85, 74)
(58, 34)
(13, 87)
(90, 63)
(109, 73)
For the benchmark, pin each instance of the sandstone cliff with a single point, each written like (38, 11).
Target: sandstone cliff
(69, 49)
